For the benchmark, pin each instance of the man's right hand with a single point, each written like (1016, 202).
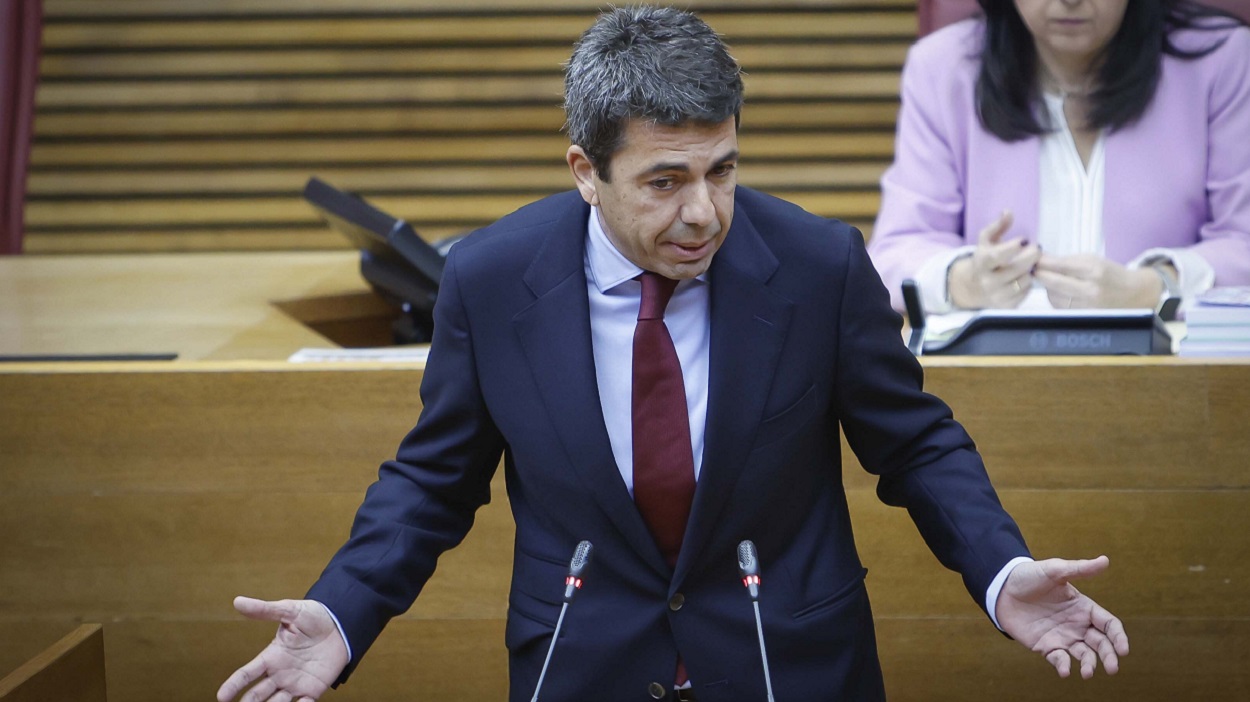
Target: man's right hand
(998, 274)
(305, 657)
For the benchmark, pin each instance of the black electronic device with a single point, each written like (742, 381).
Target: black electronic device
(1136, 332)
(396, 262)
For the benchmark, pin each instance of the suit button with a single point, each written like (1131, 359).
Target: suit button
(656, 690)
(677, 601)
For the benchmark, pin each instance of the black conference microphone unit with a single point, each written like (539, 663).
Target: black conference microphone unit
(749, 569)
(572, 583)
(915, 316)
(1016, 332)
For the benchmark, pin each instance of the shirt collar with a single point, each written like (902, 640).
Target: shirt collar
(608, 267)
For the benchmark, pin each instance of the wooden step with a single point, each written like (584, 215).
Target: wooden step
(281, 121)
(63, 185)
(351, 30)
(455, 148)
(523, 89)
(71, 9)
(97, 65)
(251, 238)
(121, 213)
(196, 122)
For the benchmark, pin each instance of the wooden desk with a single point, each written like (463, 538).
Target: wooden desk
(205, 306)
(147, 495)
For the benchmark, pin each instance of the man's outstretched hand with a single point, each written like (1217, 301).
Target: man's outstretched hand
(305, 657)
(1039, 607)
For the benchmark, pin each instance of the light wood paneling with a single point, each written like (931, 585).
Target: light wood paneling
(70, 669)
(842, 55)
(282, 120)
(195, 239)
(136, 498)
(313, 153)
(1169, 553)
(424, 90)
(485, 29)
(924, 660)
(146, 8)
(218, 306)
(963, 661)
(457, 207)
(1096, 425)
(159, 122)
(432, 177)
(178, 554)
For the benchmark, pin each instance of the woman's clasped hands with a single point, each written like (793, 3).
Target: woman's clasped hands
(1000, 273)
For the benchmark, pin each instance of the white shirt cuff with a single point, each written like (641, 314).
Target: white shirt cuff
(338, 626)
(1194, 273)
(996, 586)
(933, 278)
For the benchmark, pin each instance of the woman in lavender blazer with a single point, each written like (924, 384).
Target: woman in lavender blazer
(1038, 158)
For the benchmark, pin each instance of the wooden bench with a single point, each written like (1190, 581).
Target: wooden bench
(168, 125)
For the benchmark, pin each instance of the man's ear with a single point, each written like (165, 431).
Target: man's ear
(583, 174)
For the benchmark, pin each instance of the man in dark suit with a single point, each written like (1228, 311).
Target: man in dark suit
(549, 350)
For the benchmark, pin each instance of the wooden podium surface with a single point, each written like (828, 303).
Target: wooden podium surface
(207, 306)
(146, 495)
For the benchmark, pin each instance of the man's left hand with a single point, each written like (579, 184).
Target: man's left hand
(1039, 607)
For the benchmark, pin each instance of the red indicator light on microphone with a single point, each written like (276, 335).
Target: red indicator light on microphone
(751, 580)
(575, 582)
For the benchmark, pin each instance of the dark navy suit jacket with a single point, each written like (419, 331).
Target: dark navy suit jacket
(803, 340)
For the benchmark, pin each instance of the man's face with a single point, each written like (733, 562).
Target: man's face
(670, 200)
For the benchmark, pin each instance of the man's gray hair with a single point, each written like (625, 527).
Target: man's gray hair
(653, 63)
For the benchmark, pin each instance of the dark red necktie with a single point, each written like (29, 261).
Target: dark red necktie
(663, 457)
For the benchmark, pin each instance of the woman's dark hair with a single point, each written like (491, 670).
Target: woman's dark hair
(1128, 69)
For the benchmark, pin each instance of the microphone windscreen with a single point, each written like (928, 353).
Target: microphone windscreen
(581, 557)
(747, 562)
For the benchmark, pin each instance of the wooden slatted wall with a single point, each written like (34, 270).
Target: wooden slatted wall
(168, 125)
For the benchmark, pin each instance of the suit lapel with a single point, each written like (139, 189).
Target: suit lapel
(554, 332)
(749, 323)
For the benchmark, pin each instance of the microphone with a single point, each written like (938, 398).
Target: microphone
(572, 583)
(581, 559)
(749, 569)
(915, 316)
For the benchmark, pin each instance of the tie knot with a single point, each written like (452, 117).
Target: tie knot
(656, 292)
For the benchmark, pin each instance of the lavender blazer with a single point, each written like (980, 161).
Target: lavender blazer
(1179, 177)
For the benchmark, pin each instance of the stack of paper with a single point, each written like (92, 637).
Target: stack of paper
(1219, 325)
